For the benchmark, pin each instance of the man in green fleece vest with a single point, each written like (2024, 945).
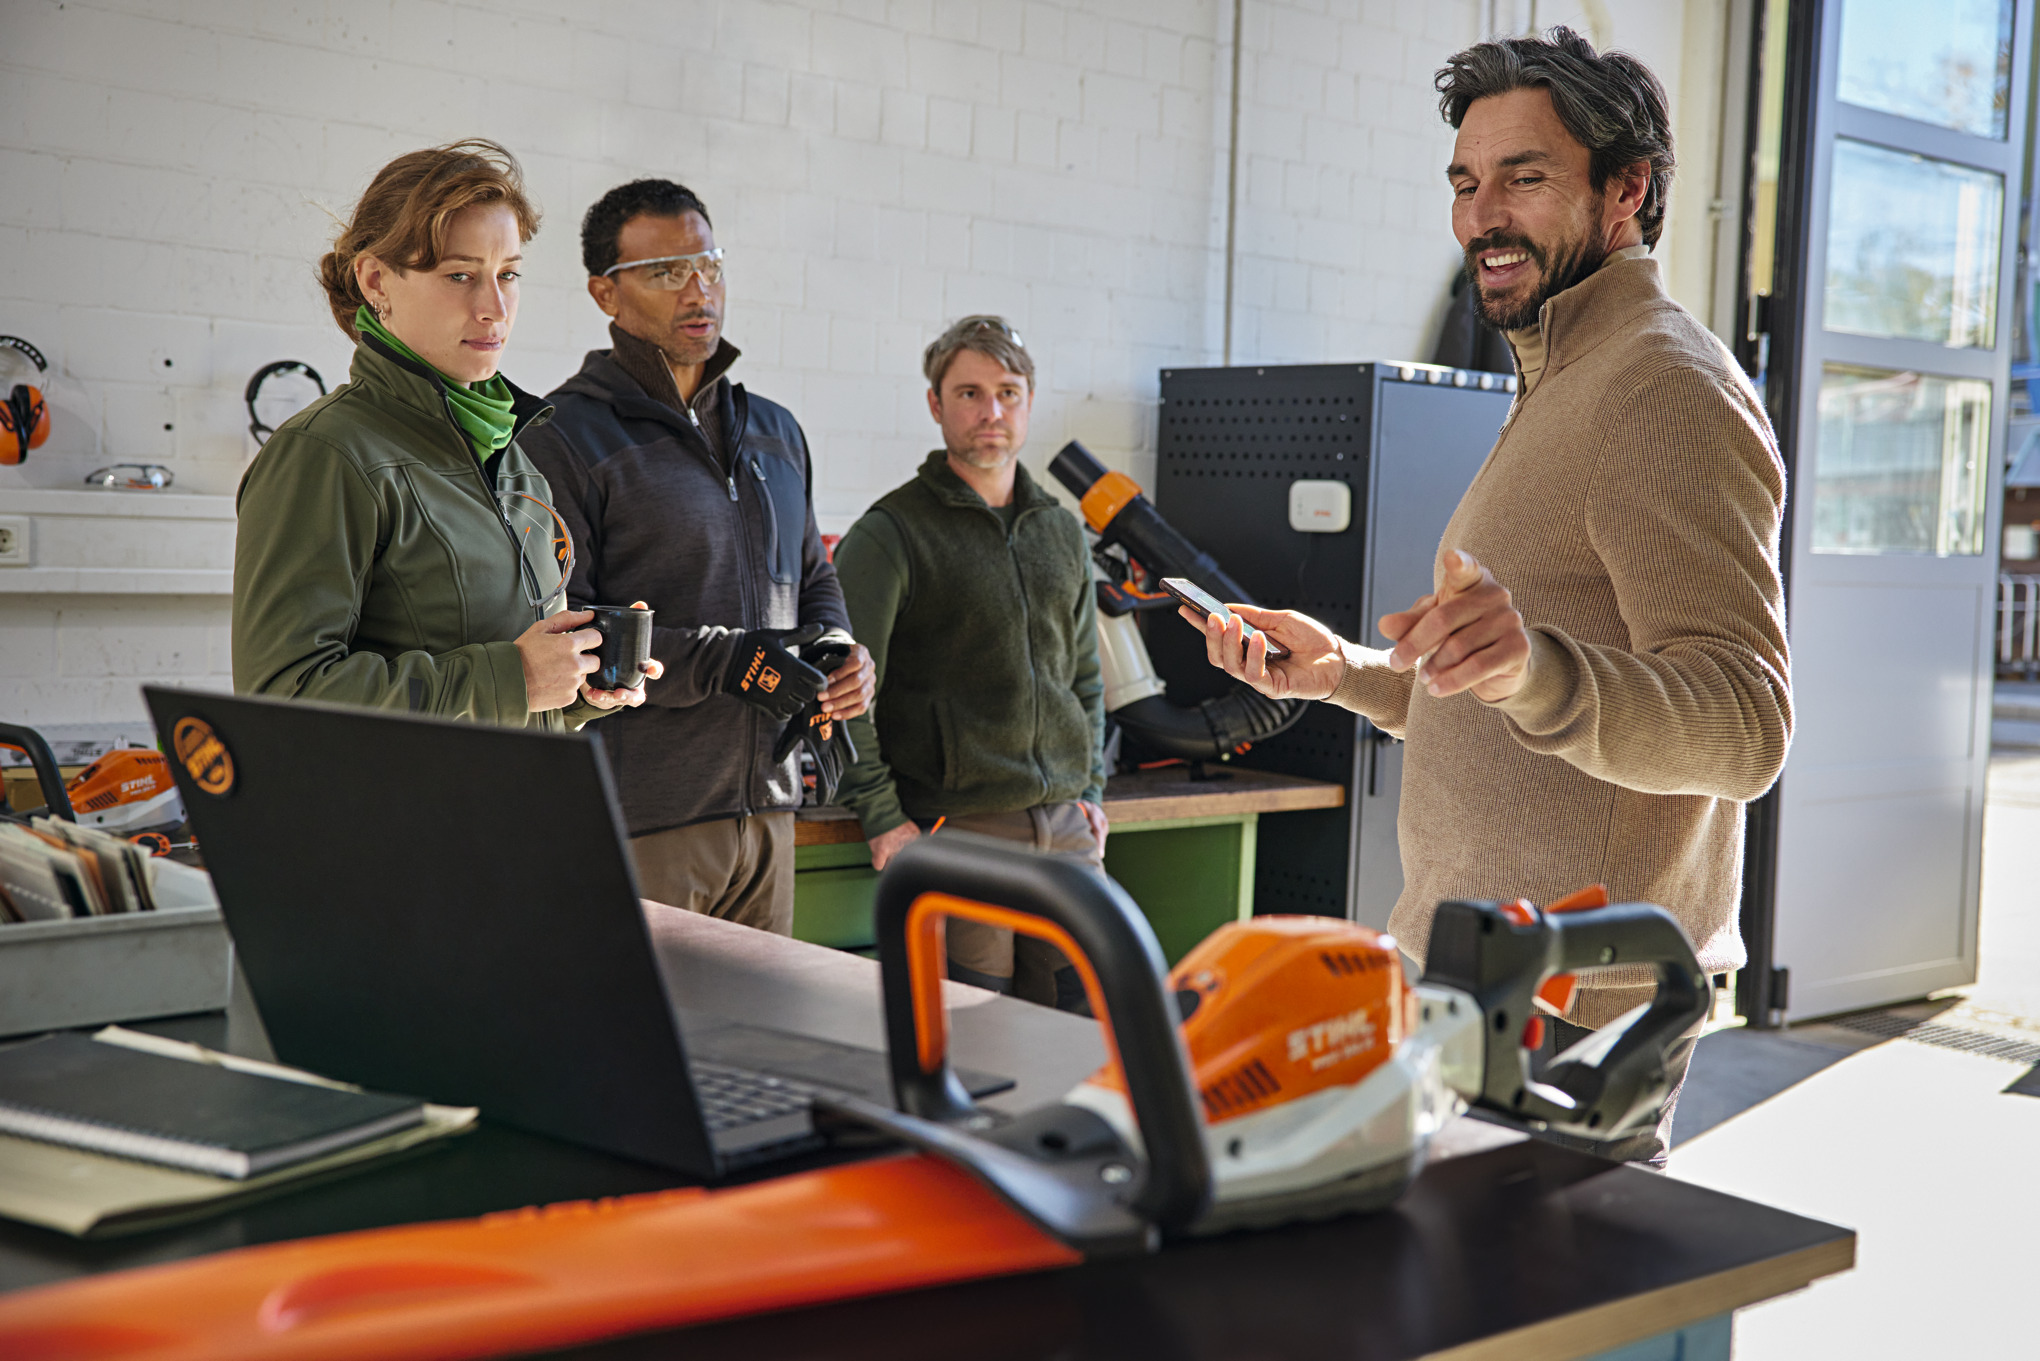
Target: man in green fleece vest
(972, 588)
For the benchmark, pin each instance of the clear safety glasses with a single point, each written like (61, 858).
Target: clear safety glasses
(521, 521)
(968, 325)
(670, 273)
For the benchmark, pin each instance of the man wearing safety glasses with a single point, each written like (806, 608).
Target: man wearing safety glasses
(683, 490)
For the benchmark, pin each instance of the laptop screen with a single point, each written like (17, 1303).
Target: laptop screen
(441, 909)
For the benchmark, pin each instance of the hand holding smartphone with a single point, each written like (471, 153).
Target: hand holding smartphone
(1202, 601)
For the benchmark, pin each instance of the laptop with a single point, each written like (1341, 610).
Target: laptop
(448, 910)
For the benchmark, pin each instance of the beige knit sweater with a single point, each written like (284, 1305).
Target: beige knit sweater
(1632, 506)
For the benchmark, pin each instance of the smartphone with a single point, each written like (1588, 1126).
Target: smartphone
(1202, 601)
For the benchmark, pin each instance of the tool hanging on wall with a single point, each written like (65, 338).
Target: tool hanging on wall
(258, 427)
(25, 419)
(1285, 1072)
(1137, 547)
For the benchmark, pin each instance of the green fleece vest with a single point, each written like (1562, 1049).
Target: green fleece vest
(990, 697)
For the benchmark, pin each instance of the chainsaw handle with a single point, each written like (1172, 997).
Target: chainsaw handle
(1092, 920)
(44, 763)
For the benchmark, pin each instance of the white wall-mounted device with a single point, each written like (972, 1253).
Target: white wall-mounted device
(1320, 507)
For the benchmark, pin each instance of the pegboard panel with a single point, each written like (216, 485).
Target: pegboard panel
(1229, 443)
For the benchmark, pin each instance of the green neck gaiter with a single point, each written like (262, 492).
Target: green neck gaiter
(483, 410)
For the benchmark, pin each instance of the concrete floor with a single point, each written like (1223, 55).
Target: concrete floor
(1919, 1148)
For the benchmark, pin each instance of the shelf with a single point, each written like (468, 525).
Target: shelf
(121, 543)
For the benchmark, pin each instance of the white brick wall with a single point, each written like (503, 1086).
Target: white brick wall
(874, 167)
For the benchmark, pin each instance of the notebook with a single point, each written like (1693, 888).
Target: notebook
(73, 1090)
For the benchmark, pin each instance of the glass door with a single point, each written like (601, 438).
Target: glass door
(1890, 377)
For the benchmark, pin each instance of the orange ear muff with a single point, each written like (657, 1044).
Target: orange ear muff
(25, 416)
(24, 423)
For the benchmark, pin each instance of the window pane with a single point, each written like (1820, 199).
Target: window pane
(1949, 63)
(1912, 247)
(1900, 465)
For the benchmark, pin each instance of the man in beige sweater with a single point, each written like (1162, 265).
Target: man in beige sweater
(1600, 680)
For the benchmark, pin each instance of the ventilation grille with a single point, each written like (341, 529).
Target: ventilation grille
(1348, 963)
(1245, 1087)
(1890, 1026)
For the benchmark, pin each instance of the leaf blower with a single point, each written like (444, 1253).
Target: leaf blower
(1286, 1071)
(1148, 548)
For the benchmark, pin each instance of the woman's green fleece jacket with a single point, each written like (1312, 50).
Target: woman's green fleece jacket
(378, 562)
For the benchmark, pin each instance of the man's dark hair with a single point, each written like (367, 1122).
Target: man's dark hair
(604, 222)
(1610, 102)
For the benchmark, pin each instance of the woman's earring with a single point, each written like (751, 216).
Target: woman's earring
(382, 312)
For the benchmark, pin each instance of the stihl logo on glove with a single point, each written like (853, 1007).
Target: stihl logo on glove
(768, 680)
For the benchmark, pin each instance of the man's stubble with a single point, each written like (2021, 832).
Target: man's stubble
(1560, 267)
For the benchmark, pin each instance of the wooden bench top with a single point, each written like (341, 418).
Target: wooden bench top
(1164, 795)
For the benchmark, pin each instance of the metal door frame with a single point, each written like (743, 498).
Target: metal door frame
(1801, 347)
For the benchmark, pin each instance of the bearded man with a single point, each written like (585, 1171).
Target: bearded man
(1599, 680)
(972, 588)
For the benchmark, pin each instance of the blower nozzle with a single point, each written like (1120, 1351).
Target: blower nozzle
(1117, 511)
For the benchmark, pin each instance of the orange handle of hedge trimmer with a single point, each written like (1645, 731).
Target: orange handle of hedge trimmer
(1092, 921)
(927, 958)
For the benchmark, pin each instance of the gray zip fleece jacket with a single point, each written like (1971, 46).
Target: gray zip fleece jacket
(703, 511)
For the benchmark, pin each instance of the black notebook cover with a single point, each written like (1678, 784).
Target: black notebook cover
(71, 1089)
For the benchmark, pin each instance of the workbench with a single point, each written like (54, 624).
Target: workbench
(1505, 1249)
(1182, 847)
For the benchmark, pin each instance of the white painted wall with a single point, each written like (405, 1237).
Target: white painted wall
(874, 167)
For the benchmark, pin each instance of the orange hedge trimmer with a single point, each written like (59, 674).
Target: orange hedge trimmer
(1286, 1070)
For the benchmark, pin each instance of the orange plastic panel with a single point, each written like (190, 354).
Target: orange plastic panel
(1108, 496)
(1286, 1006)
(536, 1279)
(1557, 991)
(129, 775)
(927, 960)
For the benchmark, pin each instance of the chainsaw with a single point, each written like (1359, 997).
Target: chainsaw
(1287, 1069)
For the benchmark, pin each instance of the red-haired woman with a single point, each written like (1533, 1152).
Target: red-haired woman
(396, 548)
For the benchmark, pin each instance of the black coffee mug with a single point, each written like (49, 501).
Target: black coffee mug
(626, 647)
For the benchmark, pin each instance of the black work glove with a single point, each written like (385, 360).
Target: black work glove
(769, 675)
(827, 739)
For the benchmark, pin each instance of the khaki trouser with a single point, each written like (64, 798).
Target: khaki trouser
(989, 955)
(739, 869)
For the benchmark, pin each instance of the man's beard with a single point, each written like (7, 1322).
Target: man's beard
(983, 459)
(1558, 270)
(686, 352)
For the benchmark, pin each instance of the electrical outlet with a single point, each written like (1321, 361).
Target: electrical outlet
(14, 541)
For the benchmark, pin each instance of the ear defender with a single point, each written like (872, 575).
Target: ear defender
(258, 427)
(25, 417)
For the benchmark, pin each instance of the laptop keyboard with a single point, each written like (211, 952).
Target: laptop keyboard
(731, 1097)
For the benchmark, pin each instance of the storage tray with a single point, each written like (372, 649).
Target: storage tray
(96, 970)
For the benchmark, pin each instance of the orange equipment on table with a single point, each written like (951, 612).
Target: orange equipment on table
(1287, 1070)
(126, 791)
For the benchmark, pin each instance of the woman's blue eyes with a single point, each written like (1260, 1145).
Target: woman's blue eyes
(462, 276)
